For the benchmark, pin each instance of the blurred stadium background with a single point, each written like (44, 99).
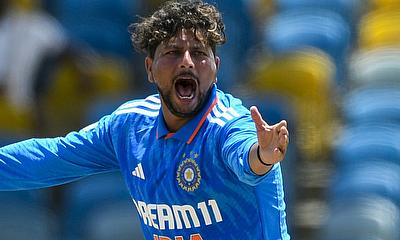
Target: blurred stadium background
(330, 67)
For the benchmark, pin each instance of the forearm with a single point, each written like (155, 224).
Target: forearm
(38, 163)
(30, 164)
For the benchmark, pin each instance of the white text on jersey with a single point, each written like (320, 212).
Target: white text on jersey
(162, 216)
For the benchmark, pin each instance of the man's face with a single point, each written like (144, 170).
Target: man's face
(184, 70)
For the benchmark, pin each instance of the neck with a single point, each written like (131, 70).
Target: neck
(173, 123)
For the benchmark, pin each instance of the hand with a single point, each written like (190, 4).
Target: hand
(273, 140)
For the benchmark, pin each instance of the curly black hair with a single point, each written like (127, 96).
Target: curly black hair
(203, 18)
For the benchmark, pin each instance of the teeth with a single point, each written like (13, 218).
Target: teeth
(186, 98)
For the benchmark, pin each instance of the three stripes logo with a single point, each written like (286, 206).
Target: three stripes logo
(138, 172)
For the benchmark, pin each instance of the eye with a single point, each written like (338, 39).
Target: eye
(199, 53)
(171, 52)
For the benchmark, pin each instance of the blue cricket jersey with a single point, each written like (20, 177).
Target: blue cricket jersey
(190, 185)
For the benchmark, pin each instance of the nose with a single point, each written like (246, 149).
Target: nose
(187, 61)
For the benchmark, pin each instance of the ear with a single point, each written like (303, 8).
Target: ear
(217, 64)
(148, 62)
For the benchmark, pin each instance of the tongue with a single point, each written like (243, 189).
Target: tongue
(184, 90)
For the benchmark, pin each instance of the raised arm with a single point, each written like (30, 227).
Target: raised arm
(37, 163)
(272, 143)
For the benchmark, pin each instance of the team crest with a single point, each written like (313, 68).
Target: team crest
(188, 173)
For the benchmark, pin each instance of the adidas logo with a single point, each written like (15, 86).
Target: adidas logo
(138, 172)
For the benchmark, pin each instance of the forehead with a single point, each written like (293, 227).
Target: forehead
(188, 37)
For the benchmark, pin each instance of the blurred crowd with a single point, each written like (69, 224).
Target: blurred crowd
(330, 68)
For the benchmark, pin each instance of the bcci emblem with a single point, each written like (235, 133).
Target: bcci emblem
(188, 174)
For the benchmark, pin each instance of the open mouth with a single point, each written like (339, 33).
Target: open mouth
(185, 88)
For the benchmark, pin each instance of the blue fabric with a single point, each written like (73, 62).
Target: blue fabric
(194, 183)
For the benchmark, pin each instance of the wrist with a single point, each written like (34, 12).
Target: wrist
(260, 160)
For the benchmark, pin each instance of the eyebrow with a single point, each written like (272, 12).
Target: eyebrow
(170, 45)
(194, 46)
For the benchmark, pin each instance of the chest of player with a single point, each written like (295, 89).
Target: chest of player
(168, 170)
(184, 189)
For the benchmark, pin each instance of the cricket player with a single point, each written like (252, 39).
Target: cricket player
(197, 163)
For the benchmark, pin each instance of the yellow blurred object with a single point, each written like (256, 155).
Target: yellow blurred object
(262, 10)
(380, 28)
(111, 76)
(74, 87)
(65, 101)
(13, 121)
(26, 5)
(384, 4)
(306, 79)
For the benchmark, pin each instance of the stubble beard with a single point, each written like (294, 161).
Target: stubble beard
(167, 98)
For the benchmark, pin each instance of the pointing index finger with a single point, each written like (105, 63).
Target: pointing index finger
(257, 118)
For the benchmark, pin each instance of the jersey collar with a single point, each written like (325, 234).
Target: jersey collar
(189, 131)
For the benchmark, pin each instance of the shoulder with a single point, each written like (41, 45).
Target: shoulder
(137, 113)
(148, 107)
(227, 110)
